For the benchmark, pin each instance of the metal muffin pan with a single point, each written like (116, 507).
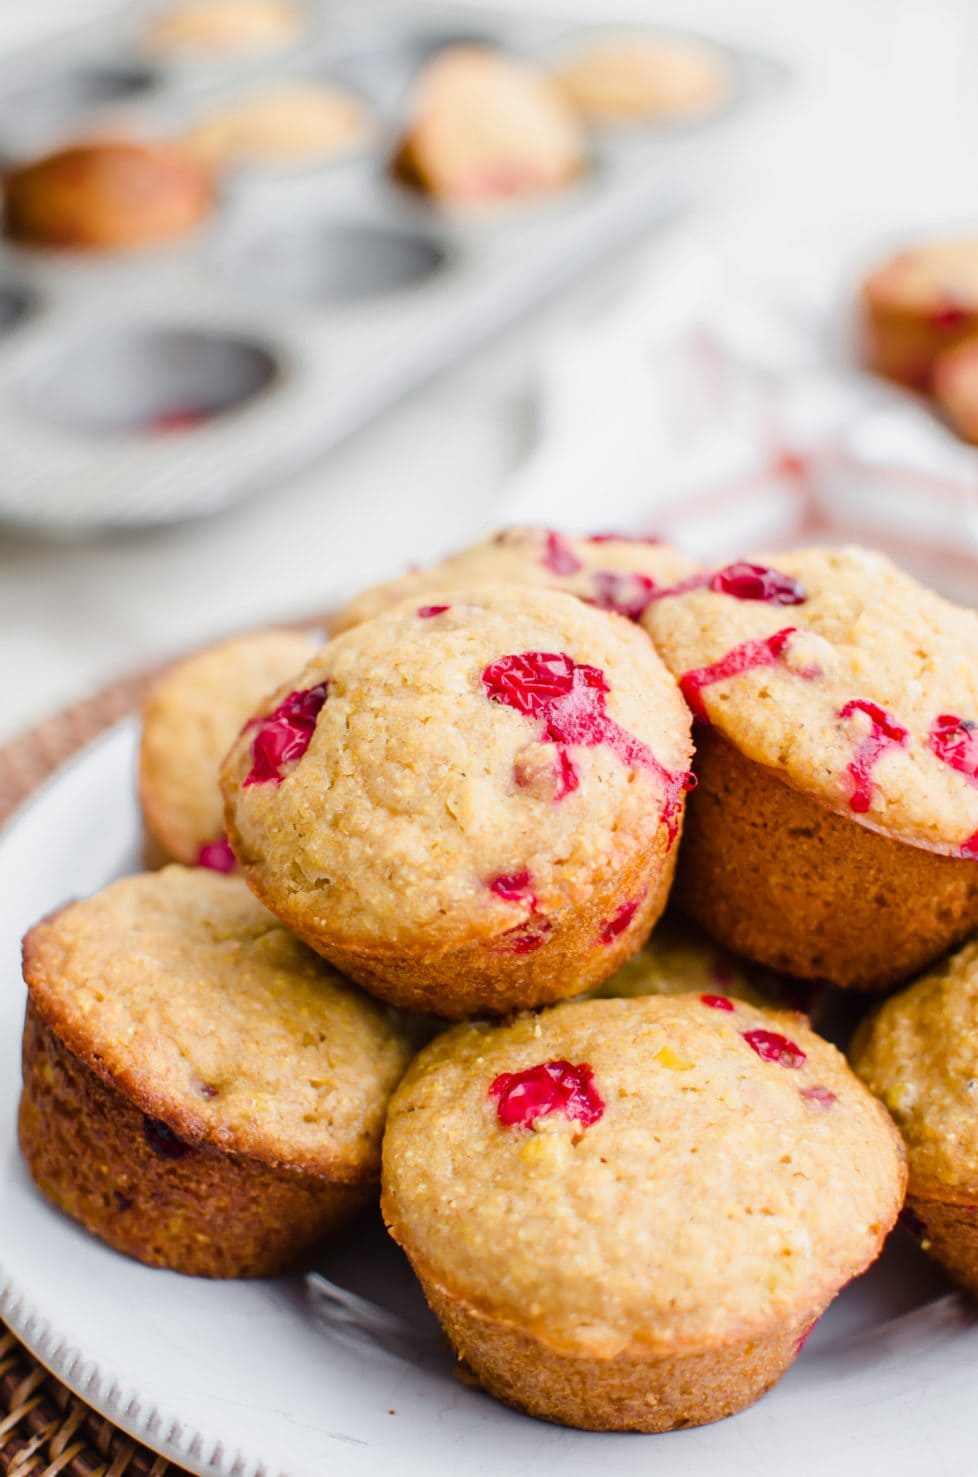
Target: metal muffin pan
(147, 386)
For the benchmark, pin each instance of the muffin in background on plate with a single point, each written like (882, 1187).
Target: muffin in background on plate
(916, 305)
(651, 1202)
(485, 128)
(190, 719)
(612, 571)
(105, 195)
(955, 385)
(639, 78)
(834, 831)
(919, 1054)
(200, 1091)
(470, 804)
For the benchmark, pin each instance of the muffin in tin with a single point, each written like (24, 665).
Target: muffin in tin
(223, 29)
(628, 1214)
(190, 719)
(485, 129)
(834, 831)
(611, 571)
(470, 804)
(634, 77)
(288, 124)
(919, 1054)
(200, 1091)
(916, 305)
(104, 195)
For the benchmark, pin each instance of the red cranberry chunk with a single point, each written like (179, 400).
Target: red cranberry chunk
(818, 1096)
(885, 733)
(771, 1046)
(717, 1002)
(551, 1087)
(217, 855)
(284, 735)
(558, 556)
(615, 926)
(955, 742)
(756, 582)
(514, 887)
(163, 1141)
(622, 594)
(747, 657)
(428, 612)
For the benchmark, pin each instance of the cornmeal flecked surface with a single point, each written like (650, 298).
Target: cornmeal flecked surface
(537, 556)
(427, 828)
(104, 195)
(711, 1207)
(190, 720)
(287, 123)
(919, 1054)
(694, 1209)
(486, 128)
(181, 992)
(917, 304)
(866, 632)
(224, 27)
(629, 78)
(956, 388)
(678, 959)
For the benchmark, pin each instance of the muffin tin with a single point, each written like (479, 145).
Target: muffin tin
(142, 387)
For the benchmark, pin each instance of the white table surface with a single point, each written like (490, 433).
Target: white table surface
(884, 110)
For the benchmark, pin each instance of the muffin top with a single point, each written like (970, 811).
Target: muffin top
(287, 122)
(939, 276)
(487, 127)
(181, 991)
(190, 720)
(614, 573)
(639, 1174)
(447, 770)
(858, 685)
(224, 27)
(628, 77)
(919, 1054)
(678, 959)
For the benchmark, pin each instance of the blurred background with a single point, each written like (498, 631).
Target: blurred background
(398, 373)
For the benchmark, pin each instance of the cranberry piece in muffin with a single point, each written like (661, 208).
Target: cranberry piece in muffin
(483, 792)
(190, 720)
(105, 195)
(200, 1090)
(832, 833)
(916, 306)
(919, 1054)
(644, 1215)
(615, 573)
(487, 128)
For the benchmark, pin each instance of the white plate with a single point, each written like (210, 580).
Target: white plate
(245, 1379)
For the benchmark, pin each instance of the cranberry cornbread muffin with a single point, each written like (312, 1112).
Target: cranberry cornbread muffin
(955, 387)
(610, 571)
(290, 124)
(628, 1214)
(105, 195)
(470, 804)
(637, 78)
(486, 128)
(200, 1091)
(190, 719)
(834, 833)
(918, 304)
(224, 28)
(919, 1054)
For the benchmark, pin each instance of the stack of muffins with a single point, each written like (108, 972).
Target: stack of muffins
(628, 1179)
